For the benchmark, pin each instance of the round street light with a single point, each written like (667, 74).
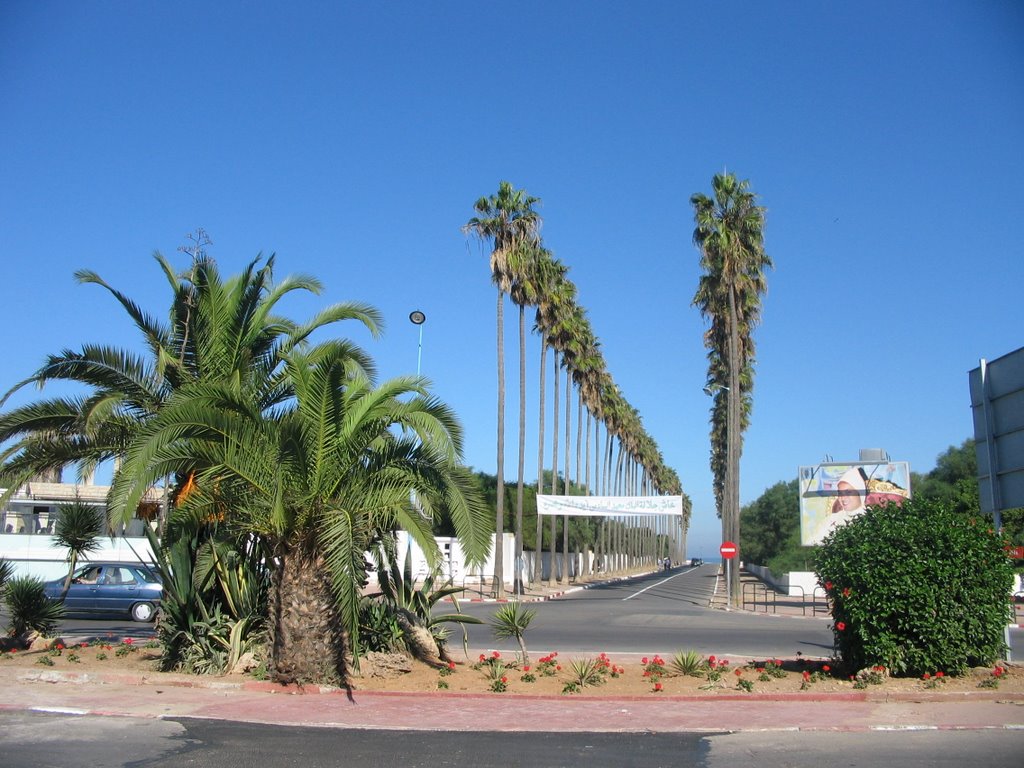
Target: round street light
(418, 318)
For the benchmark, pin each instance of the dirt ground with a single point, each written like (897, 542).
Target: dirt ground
(554, 674)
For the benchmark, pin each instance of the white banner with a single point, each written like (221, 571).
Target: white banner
(609, 506)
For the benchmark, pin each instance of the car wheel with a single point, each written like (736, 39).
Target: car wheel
(143, 612)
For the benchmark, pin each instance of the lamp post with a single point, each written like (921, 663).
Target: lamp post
(418, 318)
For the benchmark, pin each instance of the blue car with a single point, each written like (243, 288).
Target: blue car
(130, 588)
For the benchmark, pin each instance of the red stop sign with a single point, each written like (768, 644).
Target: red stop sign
(728, 550)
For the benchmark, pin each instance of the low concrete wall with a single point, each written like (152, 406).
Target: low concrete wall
(792, 584)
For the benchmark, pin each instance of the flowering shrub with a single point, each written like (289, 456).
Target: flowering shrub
(743, 683)
(933, 681)
(767, 670)
(873, 676)
(907, 612)
(447, 669)
(127, 646)
(547, 666)
(993, 680)
(654, 667)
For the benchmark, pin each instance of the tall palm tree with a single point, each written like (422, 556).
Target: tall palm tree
(507, 222)
(525, 266)
(319, 479)
(730, 235)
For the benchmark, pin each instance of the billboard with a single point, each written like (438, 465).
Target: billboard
(834, 493)
(997, 405)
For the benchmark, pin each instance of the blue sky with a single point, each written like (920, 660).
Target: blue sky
(352, 139)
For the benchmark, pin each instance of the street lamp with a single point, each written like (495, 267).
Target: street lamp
(418, 318)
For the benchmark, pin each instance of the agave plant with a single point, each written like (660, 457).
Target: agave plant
(689, 664)
(6, 573)
(29, 608)
(413, 606)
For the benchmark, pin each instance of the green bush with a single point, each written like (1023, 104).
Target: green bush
(917, 588)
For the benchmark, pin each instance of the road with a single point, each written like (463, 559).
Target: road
(34, 740)
(659, 613)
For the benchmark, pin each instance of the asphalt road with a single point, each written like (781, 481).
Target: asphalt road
(34, 740)
(659, 613)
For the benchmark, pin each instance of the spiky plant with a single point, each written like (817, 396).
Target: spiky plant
(688, 664)
(29, 608)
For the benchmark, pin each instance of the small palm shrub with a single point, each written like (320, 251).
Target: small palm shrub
(917, 587)
(511, 621)
(29, 608)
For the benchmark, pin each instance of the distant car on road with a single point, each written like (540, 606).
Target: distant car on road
(695, 561)
(131, 588)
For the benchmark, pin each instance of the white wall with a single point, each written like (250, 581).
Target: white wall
(35, 554)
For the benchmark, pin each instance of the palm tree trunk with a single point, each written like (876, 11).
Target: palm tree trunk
(565, 485)
(499, 516)
(306, 640)
(733, 452)
(554, 469)
(517, 586)
(538, 551)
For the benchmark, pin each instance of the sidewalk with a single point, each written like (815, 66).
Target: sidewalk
(152, 695)
(177, 696)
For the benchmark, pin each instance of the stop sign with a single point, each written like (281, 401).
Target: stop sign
(728, 550)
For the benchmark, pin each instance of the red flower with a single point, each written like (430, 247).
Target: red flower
(926, 676)
(657, 686)
(482, 657)
(940, 674)
(846, 592)
(60, 646)
(451, 665)
(724, 662)
(558, 667)
(504, 679)
(826, 668)
(127, 641)
(643, 660)
(807, 675)
(760, 670)
(739, 671)
(526, 668)
(496, 655)
(841, 625)
(711, 659)
(828, 585)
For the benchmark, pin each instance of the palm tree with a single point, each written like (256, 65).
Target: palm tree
(509, 223)
(319, 479)
(78, 529)
(730, 235)
(524, 290)
(218, 330)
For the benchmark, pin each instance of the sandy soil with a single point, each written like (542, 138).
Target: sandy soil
(613, 678)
